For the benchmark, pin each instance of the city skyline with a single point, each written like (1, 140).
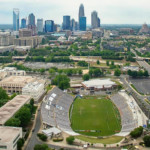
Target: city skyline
(114, 12)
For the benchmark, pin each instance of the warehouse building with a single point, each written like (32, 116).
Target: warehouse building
(9, 137)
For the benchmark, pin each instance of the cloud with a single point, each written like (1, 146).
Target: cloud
(110, 11)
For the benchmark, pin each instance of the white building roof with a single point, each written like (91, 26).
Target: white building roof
(51, 131)
(99, 83)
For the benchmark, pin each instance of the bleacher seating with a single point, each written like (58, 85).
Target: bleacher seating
(55, 109)
(127, 119)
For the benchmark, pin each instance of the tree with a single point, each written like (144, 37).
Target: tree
(97, 72)
(14, 122)
(24, 115)
(146, 74)
(80, 72)
(3, 94)
(20, 144)
(107, 63)
(42, 70)
(70, 140)
(137, 132)
(86, 77)
(98, 62)
(112, 63)
(82, 63)
(62, 81)
(146, 140)
(42, 137)
(117, 72)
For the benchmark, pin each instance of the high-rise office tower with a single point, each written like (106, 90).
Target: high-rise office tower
(95, 21)
(49, 26)
(81, 11)
(31, 19)
(40, 25)
(99, 22)
(66, 22)
(73, 25)
(16, 19)
(82, 25)
(31, 23)
(23, 23)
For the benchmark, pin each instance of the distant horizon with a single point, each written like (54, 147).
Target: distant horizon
(110, 12)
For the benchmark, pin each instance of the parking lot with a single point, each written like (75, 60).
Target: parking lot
(142, 85)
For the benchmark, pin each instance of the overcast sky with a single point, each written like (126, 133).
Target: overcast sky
(110, 11)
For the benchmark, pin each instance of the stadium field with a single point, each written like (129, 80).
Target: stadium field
(95, 116)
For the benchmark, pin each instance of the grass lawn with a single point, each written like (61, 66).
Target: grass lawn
(107, 140)
(95, 116)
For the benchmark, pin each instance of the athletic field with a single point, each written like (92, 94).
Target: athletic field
(95, 116)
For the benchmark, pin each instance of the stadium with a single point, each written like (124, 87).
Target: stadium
(91, 115)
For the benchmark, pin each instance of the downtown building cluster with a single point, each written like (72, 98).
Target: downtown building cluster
(49, 25)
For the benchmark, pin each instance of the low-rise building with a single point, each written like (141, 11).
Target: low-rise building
(11, 107)
(132, 68)
(99, 84)
(11, 71)
(14, 84)
(9, 137)
(34, 89)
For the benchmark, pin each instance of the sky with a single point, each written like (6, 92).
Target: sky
(109, 11)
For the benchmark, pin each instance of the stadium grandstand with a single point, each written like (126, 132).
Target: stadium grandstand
(131, 114)
(55, 110)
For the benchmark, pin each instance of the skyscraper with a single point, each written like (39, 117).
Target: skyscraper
(73, 25)
(40, 25)
(66, 22)
(31, 19)
(31, 23)
(23, 23)
(95, 21)
(81, 11)
(16, 19)
(49, 26)
(99, 22)
(82, 25)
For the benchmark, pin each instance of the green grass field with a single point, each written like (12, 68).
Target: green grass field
(95, 113)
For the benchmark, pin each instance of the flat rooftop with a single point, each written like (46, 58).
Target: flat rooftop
(18, 80)
(99, 83)
(11, 107)
(7, 134)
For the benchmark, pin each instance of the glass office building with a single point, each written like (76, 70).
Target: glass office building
(23, 23)
(82, 24)
(66, 22)
(16, 19)
(49, 26)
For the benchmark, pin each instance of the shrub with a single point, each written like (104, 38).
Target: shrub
(42, 137)
(70, 140)
(57, 139)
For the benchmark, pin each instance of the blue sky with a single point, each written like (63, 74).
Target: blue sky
(110, 11)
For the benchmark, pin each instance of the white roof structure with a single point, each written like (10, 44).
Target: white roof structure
(51, 131)
(99, 83)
